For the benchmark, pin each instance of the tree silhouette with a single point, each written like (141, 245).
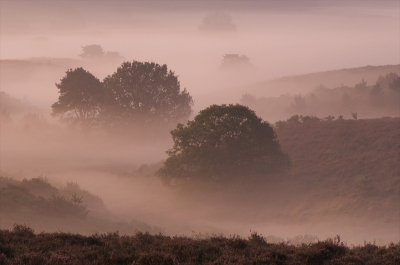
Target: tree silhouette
(236, 62)
(142, 95)
(95, 51)
(395, 85)
(80, 98)
(92, 51)
(217, 21)
(223, 142)
(376, 96)
(361, 86)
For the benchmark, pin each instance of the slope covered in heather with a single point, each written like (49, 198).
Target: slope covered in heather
(355, 164)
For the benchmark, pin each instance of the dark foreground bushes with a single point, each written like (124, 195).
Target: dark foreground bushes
(23, 246)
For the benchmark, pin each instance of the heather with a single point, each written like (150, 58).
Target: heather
(22, 246)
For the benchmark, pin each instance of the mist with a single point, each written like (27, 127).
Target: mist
(41, 40)
(280, 39)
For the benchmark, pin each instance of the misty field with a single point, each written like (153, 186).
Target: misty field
(344, 165)
(199, 132)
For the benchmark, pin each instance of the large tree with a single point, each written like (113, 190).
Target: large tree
(143, 96)
(80, 98)
(223, 142)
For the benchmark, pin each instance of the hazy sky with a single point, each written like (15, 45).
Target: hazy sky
(280, 37)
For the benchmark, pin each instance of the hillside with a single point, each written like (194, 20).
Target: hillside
(46, 208)
(307, 82)
(352, 164)
(350, 167)
(344, 179)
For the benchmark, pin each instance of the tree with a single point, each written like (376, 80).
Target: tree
(223, 142)
(376, 96)
(217, 21)
(92, 51)
(299, 103)
(361, 86)
(80, 98)
(386, 80)
(248, 100)
(395, 85)
(236, 62)
(95, 51)
(139, 95)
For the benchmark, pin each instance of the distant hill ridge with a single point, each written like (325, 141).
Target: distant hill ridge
(296, 84)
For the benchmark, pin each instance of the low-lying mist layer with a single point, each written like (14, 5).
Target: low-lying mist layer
(343, 180)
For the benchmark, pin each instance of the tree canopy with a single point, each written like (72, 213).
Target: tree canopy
(223, 142)
(144, 94)
(138, 97)
(80, 98)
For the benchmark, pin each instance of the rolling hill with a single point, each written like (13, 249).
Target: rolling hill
(304, 83)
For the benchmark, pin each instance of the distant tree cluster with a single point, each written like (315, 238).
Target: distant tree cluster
(217, 21)
(377, 100)
(236, 62)
(136, 97)
(95, 51)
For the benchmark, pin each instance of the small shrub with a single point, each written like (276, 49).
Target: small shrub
(22, 230)
(257, 239)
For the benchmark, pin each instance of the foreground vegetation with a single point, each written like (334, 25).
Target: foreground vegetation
(22, 246)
